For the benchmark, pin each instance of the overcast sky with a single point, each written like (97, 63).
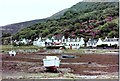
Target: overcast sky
(14, 11)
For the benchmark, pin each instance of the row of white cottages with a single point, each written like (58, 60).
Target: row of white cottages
(74, 43)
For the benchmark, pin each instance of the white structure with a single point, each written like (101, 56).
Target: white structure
(61, 41)
(74, 43)
(51, 61)
(12, 53)
(82, 42)
(24, 41)
(92, 42)
(110, 41)
(39, 42)
(99, 42)
(107, 41)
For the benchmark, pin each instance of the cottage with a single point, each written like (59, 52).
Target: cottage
(24, 41)
(92, 42)
(111, 41)
(74, 43)
(39, 42)
(82, 42)
(99, 42)
(107, 41)
(48, 42)
(60, 40)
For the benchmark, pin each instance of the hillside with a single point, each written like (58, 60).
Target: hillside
(58, 14)
(85, 19)
(14, 28)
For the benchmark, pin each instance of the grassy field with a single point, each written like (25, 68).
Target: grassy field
(5, 48)
(87, 50)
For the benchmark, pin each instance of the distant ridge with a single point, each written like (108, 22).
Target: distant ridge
(84, 19)
(15, 27)
(58, 14)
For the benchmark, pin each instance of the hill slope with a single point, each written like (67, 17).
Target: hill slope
(86, 19)
(14, 28)
(58, 14)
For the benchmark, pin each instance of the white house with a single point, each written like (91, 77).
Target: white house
(24, 41)
(60, 40)
(39, 42)
(82, 42)
(108, 41)
(99, 42)
(92, 42)
(74, 43)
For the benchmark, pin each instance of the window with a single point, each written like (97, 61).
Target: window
(52, 40)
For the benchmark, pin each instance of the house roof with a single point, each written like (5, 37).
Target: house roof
(58, 37)
(110, 39)
(92, 41)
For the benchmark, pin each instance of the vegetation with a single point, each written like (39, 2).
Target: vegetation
(5, 34)
(88, 20)
(6, 48)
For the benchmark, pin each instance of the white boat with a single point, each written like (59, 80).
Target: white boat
(51, 63)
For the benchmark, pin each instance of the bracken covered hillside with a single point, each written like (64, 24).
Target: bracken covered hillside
(85, 19)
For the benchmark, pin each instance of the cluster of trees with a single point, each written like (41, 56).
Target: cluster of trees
(106, 46)
(5, 34)
(83, 19)
(21, 44)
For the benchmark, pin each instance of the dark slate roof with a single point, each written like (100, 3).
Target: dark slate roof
(58, 37)
(93, 41)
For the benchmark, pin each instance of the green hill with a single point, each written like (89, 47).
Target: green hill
(86, 19)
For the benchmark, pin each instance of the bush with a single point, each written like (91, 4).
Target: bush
(19, 44)
(102, 46)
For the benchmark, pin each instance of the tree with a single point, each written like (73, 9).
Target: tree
(45, 32)
(113, 34)
(6, 34)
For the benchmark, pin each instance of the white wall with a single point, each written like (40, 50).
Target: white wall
(39, 44)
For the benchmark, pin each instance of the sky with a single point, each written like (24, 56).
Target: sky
(14, 11)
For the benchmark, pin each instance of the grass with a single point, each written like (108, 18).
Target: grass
(5, 48)
(81, 50)
(115, 21)
(73, 51)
